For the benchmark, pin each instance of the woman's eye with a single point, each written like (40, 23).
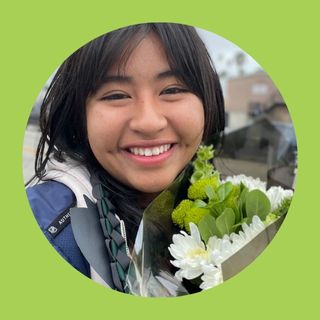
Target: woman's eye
(115, 96)
(174, 90)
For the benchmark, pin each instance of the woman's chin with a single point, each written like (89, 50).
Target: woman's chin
(152, 187)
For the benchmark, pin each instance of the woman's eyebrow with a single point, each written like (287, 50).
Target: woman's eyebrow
(167, 74)
(117, 79)
(128, 79)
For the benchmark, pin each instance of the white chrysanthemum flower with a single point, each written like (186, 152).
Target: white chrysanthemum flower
(253, 229)
(190, 254)
(195, 259)
(238, 240)
(250, 182)
(212, 276)
(276, 195)
(214, 247)
(221, 249)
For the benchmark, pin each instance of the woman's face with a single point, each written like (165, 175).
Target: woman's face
(143, 124)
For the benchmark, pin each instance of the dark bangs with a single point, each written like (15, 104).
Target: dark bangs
(109, 50)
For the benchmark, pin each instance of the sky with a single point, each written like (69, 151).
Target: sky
(222, 53)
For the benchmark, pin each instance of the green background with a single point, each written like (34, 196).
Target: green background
(36, 37)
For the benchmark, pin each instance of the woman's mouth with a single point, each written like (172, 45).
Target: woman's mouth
(149, 152)
(150, 155)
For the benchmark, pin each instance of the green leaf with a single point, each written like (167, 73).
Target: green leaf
(242, 201)
(210, 192)
(245, 220)
(226, 221)
(216, 208)
(237, 214)
(224, 190)
(243, 187)
(237, 227)
(199, 204)
(207, 228)
(257, 203)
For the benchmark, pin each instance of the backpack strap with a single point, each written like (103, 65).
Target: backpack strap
(87, 231)
(51, 202)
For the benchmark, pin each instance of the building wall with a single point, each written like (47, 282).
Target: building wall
(245, 93)
(238, 119)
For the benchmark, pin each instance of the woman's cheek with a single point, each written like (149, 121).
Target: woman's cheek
(190, 120)
(96, 126)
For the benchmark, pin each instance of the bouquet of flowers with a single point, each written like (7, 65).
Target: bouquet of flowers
(219, 218)
(222, 226)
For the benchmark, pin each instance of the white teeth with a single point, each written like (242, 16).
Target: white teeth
(148, 152)
(156, 151)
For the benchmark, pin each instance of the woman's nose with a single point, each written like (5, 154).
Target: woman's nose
(148, 117)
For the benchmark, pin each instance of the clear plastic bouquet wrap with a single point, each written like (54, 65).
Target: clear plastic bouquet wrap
(202, 230)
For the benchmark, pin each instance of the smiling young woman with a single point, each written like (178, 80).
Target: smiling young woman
(144, 125)
(124, 114)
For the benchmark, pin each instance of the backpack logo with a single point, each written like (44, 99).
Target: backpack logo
(52, 229)
(59, 223)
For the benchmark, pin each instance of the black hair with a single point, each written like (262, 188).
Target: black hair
(63, 111)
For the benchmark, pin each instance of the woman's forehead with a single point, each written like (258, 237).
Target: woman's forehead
(148, 59)
(146, 50)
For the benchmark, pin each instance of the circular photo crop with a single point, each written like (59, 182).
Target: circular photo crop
(159, 160)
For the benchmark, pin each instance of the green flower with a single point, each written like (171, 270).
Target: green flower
(197, 190)
(203, 166)
(194, 215)
(185, 213)
(205, 152)
(178, 214)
